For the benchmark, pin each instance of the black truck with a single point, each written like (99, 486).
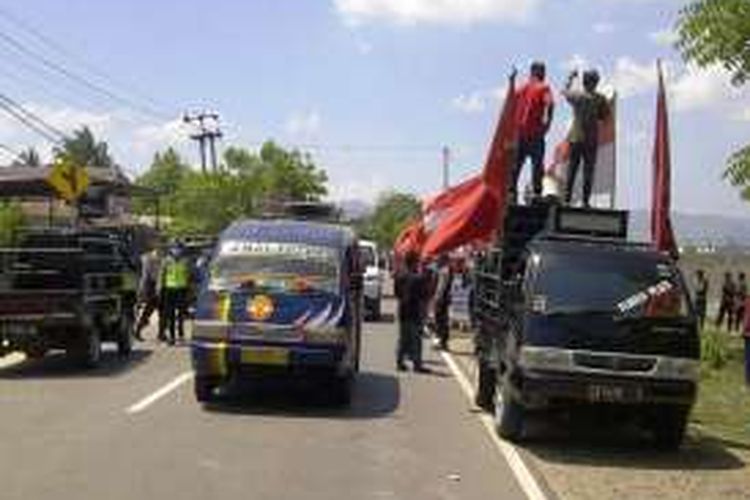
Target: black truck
(67, 289)
(571, 313)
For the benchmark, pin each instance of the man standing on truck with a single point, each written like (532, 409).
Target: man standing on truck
(175, 280)
(590, 108)
(411, 293)
(534, 116)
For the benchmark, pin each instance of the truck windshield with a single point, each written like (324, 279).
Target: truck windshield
(285, 269)
(367, 256)
(626, 285)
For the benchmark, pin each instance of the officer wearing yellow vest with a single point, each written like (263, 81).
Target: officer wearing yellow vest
(175, 277)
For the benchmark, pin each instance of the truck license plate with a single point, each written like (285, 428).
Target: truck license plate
(614, 394)
(275, 356)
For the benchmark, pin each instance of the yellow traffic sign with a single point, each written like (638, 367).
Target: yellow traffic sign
(68, 179)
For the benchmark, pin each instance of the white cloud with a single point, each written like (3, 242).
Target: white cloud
(631, 78)
(603, 28)
(157, 136)
(453, 12)
(576, 61)
(478, 101)
(474, 102)
(666, 37)
(303, 124)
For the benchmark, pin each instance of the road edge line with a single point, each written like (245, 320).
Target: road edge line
(525, 478)
(159, 393)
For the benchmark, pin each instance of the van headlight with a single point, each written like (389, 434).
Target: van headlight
(545, 358)
(678, 369)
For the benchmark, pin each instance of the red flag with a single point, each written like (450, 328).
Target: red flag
(410, 239)
(473, 211)
(661, 224)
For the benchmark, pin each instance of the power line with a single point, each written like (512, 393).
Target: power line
(32, 116)
(205, 135)
(25, 117)
(44, 39)
(60, 69)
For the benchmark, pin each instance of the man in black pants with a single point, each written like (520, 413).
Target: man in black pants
(701, 296)
(411, 292)
(589, 109)
(443, 301)
(726, 305)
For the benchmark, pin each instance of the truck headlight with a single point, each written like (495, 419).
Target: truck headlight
(678, 368)
(545, 358)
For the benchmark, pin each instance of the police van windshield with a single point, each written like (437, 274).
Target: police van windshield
(627, 285)
(281, 267)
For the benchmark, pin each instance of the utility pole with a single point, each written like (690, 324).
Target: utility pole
(446, 167)
(208, 132)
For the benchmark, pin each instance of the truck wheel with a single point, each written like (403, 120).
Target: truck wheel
(204, 387)
(668, 425)
(125, 337)
(90, 349)
(509, 414)
(485, 386)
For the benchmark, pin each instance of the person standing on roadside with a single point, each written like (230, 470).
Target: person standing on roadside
(442, 301)
(746, 335)
(726, 304)
(411, 292)
(701, 296)
(590, 108)
(535, 110)
(148, 291)
(740, 294)
(175, 278)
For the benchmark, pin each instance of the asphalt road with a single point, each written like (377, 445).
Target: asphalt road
(111, 434)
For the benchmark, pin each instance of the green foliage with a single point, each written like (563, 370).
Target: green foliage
(393, 211)
(714, 349)
(11, 218)
(738, 171)
(84, 150)
(206, 203)
(717, 32)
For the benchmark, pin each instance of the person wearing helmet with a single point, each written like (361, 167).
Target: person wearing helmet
(590, 108)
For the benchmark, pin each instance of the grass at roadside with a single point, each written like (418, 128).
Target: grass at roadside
(723, 406)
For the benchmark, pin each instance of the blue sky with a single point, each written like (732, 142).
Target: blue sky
(377, 86)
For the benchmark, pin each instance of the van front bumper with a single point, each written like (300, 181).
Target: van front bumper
(538, 388)
(222, 359)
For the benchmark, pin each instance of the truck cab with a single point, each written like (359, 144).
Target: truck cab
(573, 314)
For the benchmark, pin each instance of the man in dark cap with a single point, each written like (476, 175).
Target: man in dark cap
(590, 108)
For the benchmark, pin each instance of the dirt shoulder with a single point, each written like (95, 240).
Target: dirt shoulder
(591, 459)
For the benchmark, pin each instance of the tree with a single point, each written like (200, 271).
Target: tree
(393, 211)
(717, 32)
(11, 218)
(85, 150)
(290, 175)
(28, 158)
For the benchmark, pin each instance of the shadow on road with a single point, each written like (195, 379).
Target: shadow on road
(57, 365)
(604, 444)
(375, 395)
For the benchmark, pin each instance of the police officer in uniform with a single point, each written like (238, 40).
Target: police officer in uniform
(175, 281)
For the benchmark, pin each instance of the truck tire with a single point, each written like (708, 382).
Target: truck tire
(89, 349)
(486, 379)
(668, 424)
(509, 415)
(204, 387)
(125, 337)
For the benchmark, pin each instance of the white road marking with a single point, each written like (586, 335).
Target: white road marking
(525, 478)
(11, 359)
(159, 393)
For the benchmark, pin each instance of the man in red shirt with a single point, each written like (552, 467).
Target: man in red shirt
(535, 108)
